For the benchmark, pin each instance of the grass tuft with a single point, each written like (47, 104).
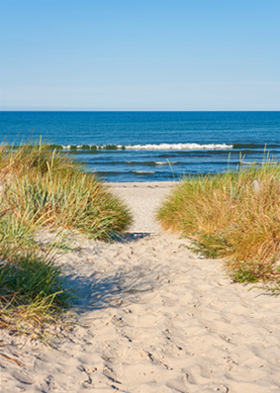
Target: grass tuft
(227, 216)
(40, 187)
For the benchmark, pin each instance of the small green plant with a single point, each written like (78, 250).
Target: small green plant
(212, 246)
(33, 290)
(31, 278)
(252, 271)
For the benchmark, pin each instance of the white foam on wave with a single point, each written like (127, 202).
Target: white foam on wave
(160, 146)
(81, 147)
(179, 146)
(144, 172)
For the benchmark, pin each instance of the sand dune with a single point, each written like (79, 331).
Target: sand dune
(152, 318)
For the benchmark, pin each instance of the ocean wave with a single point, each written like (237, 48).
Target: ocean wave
(143, 172)
(253, 163)
(148, 163)
(160, 146)
(179, 146)
(91, 147)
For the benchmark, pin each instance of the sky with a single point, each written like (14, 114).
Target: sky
(187, 55)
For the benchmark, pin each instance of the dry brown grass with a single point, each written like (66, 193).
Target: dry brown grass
(226, 216)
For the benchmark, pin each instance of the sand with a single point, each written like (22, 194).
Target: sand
(152, 317)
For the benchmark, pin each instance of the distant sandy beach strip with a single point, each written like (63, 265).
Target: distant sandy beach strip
(143, 198)
(152, 317)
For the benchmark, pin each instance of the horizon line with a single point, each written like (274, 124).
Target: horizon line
(139, 110)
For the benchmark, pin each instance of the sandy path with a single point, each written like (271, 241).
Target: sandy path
(152, 318)
(143, 200)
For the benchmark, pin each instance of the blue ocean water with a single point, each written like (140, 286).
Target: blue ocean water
(150, 146)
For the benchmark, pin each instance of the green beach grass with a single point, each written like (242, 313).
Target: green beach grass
(235, 216)
(39, 188)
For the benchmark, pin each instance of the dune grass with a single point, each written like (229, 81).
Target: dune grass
(234, 215)
(44, 188)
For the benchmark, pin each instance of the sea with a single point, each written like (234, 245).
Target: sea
(150, 146)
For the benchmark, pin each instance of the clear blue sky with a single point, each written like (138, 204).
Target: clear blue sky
(140, 54)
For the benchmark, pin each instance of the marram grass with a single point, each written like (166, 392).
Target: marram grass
(226, 215)
(75, 201)
(45, 188)
(42, 188)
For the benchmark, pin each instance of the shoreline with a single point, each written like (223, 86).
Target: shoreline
(143, 184)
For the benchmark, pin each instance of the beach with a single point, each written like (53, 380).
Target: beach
(150, 316)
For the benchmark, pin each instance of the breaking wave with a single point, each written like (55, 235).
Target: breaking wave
(160, 146)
